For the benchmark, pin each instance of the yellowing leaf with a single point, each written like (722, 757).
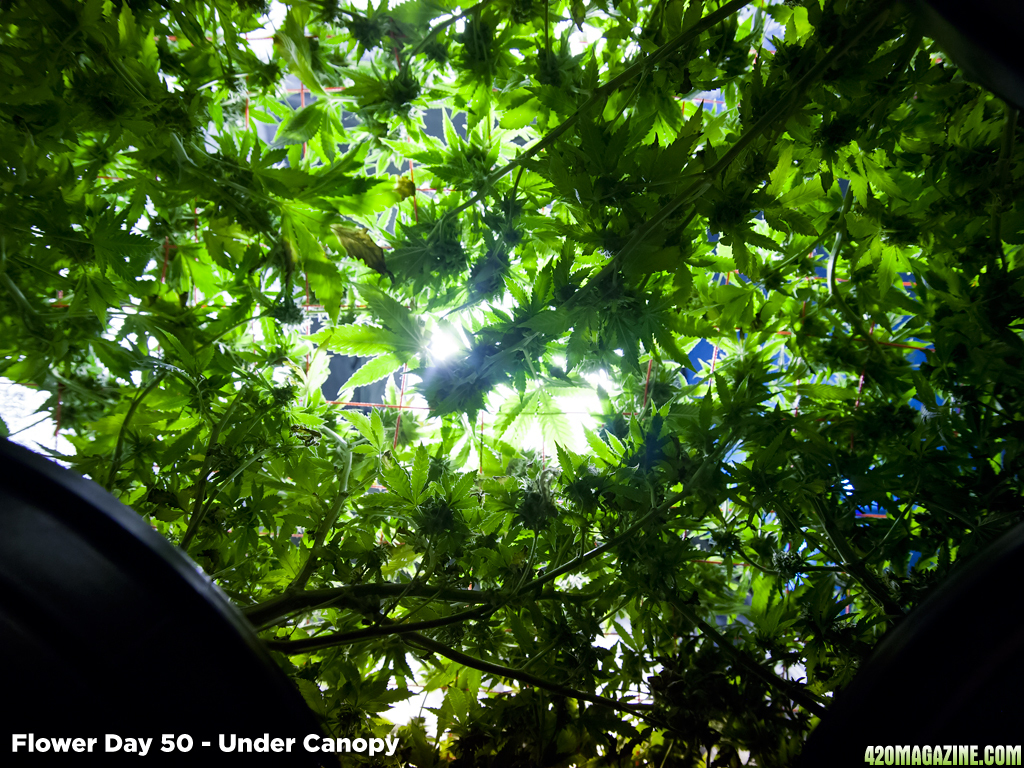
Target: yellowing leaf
(359, 245)
(405, 187)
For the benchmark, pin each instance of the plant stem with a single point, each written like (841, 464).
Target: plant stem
(29, 313)
(1003, 173)
(227, 481)
(706, 179)
(328, 522)
(540, 654)
(575, 563)
(523, 677)
(853, 565)
(833, 257)
(198, 510)
(356, 594)
(602, 92)
(381, 630)
(793, 690)
(547, 40)
(115, 462)
(438, 28)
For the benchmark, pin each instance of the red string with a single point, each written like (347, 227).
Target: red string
(401, 405)
(648, 381)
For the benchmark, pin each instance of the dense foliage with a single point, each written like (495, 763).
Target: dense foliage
(842, 229)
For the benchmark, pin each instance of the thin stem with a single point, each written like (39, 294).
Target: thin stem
(115, 462)
(432, 33)
(33, 424)
(853, 565)
(228, 480)
(228, 330)
(200, 494)
(31, 316)
(325, 527)
(1003, 174)
(743, 556)
(575, 563)
(837, 246)
(540, 654)
(547, 41)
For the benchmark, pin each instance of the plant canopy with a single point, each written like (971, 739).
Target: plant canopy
(784, 237)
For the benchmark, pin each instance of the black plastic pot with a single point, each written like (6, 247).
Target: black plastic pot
(951, 673)
(983, 39)
(105, 628)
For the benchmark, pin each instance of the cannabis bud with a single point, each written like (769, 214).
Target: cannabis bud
(287, 312)
(786, 564)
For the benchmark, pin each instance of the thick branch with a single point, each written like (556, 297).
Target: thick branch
(853, 565)
(382, 630)
(793, 690)
(524, 677)
(356, 595)
(605, 90)
(703, 181)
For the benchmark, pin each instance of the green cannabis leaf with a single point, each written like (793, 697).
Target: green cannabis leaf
(708, 320)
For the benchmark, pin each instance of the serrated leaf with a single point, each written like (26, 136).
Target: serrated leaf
(520, 116)
(420, 470)
(550, 322)
(397, 318)
(360, 422)
(463, 486)
(575, 350)
(598, 446)
(801, 195)
(357, 340)
(568, 461)
(397, 480)
(373, 370)
(825, 392)
(310, 691)
(616, 444)
(127, 31)
(705, 414)
(508, 416)
(377, 428)
(300, 126)
(294, 46)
